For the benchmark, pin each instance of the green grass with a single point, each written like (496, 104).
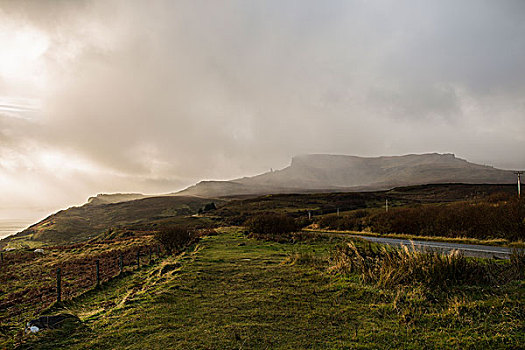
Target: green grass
(27, 280)
(231, 292)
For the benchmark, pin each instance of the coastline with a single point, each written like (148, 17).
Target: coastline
(10, 227)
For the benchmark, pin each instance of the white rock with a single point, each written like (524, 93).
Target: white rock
(39, 250)
(34, 329)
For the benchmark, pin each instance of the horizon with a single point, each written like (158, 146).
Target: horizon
(123, 96)
(14, 224)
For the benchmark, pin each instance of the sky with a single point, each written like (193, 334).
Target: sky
(153, 96)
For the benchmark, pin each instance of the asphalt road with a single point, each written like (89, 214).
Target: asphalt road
(474, 250)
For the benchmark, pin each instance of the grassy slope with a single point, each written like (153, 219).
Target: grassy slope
(27, 280)
(78, 224)
(233, 292)
(298, 205)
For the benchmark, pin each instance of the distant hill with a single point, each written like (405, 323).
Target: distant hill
(108, 198)
(113, 220)
(334, 173)
(90, 220)
(316, 173)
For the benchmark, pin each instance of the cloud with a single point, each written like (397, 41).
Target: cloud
(155, 96)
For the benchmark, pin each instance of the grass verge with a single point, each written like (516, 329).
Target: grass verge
(464, 240)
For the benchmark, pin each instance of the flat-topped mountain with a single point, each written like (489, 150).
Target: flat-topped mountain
(306, 174)
(324, 172)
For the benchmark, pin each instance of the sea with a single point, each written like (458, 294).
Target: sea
(10, 227)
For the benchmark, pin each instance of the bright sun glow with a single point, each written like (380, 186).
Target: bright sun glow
(22, 52)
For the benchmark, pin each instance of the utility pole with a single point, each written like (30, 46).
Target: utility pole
(519, 184)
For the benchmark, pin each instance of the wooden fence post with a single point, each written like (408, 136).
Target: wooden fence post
(138, 258)
(97, 263)
(59, 285)
(150, 258)
(121, 264)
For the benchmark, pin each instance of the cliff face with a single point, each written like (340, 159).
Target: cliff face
(318, 172)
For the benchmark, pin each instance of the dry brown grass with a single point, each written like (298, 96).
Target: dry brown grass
(387, 267)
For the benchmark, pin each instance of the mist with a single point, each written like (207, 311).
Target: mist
(134, 96)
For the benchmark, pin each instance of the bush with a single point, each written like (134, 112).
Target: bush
(174, 238)
(354, 221)
(208, 207)
(401, 267)
(499, 216)
(467, 219)
(271, 224)
(302, 222)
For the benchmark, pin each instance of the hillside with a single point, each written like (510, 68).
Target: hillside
(324, 173)
(81, 223)
(85, 222)
(300, 204)
(318, 173)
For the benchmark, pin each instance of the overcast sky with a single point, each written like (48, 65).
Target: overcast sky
(152, 96)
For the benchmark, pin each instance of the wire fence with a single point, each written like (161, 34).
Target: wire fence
(40, 283)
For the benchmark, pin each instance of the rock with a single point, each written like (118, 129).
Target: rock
(39, 250)
(49, 322)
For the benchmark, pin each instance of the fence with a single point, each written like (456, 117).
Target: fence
(105, 268)
(30, 285)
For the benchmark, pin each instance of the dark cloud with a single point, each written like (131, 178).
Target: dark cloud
(156, 95)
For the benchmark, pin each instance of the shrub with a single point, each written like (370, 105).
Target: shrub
(303, 222)
(406, 266)
(209, 207)
(354, 221)
(174, 238)
(271, 224)
(499, 216)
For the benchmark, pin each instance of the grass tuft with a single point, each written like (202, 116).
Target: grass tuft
(389, 267)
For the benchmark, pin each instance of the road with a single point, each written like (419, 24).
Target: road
(474, 250)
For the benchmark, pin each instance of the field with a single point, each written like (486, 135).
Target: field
(230, 291)
(28, 279)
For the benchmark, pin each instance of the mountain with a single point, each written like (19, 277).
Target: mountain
(306, 174)
(331, 173)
